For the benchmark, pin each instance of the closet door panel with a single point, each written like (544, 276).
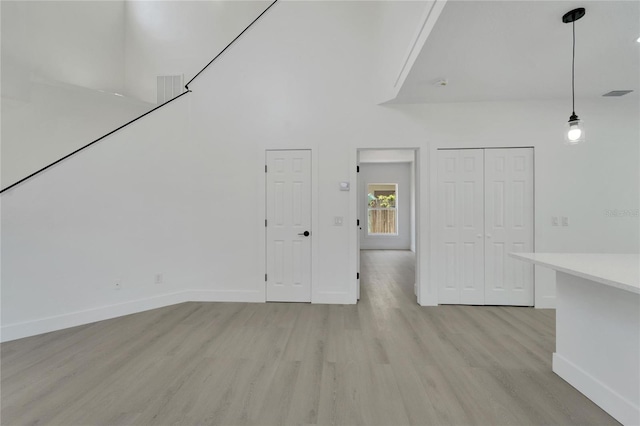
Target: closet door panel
(508, 225)
(460, 210)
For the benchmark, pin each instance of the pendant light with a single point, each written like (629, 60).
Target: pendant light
(575, 128)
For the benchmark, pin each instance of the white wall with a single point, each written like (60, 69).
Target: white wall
(178, 37)
(148, 200)
(155, 198)
(118, 211)
(61, 63)
(63, 60)
(299, 87)
(56, 120)
(580, 182)
(74, 42)
(398, 26)
(401, 29)
(400, 174)
(387, 156)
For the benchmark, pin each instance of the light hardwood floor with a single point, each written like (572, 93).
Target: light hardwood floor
(385, 361)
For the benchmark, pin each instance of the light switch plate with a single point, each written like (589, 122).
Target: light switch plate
(554, 220)
(565, 221)
(344, 186)
(337, 220)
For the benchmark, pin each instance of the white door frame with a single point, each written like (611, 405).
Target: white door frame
(421, 214)
(433, 209)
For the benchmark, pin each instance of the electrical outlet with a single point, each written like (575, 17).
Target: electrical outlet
(159, 278)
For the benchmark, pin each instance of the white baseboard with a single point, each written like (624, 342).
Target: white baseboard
(606, 398)
(73, 319)
(333, 298)
(226, 296)
(548, 302)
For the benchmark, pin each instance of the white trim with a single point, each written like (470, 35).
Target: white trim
(88, 316)
(424, 295)
(315, 223)
(354, 235)
(262, 216)
(427, 293)
(546, 302)
(427, 23)
(335, 297)
(623, 410)
(237, 296)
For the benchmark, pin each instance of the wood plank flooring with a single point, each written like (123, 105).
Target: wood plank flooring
(385, 361)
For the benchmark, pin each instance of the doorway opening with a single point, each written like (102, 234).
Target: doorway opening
(387, 249)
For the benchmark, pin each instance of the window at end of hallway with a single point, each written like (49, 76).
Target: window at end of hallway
(382, 201)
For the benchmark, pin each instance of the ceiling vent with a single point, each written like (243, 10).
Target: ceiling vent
(169, 86)
(617, 93)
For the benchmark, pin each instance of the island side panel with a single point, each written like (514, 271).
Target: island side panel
(598, 344)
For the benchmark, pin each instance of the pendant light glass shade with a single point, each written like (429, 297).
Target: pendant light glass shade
(574, 133)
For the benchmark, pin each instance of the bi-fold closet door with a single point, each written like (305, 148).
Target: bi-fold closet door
(485, 211)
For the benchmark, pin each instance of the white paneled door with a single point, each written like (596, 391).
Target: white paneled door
(461, 247)
(288, 226)
(485, 211)
(508, 225)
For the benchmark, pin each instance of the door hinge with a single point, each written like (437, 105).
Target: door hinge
(265, 168)
(357, 169)
(265, 277)
(265, 223)
(358, 275)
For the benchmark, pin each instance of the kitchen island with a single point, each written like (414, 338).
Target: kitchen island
(598, 327)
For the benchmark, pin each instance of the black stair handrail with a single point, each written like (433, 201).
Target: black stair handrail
(90, 143)
(187, 90)
(186, 86)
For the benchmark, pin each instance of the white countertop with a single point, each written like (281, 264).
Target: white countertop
(616, 270)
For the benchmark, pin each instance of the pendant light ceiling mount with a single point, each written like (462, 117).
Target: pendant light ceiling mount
(573, 15)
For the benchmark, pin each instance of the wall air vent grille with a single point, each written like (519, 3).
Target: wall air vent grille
(617, 93)
(169, 86)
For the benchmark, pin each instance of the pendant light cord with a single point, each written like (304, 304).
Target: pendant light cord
(573, 70)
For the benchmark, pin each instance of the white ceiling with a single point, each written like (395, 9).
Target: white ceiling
(516, 50)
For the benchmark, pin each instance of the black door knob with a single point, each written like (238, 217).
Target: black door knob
(305, 233)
